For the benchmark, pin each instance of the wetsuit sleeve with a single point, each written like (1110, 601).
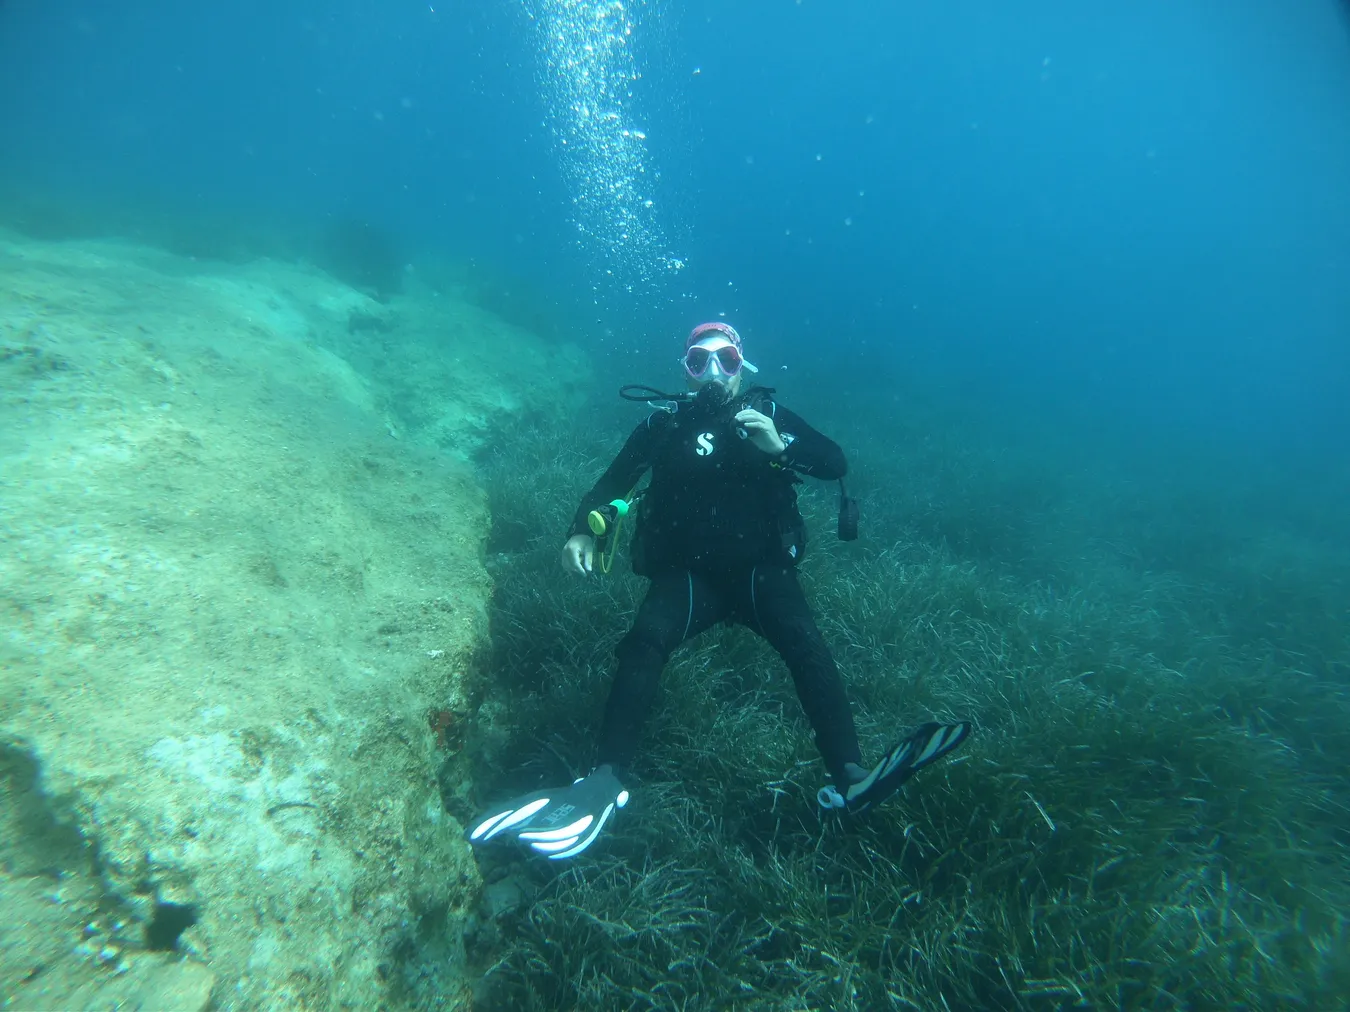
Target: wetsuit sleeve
(619, 478)
(808, 451)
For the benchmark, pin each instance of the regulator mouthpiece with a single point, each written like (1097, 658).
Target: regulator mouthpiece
(601, 519)
(713, 395)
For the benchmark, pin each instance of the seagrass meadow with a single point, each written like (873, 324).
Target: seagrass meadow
(1151, 815)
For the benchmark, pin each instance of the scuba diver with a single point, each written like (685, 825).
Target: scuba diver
(719, 535)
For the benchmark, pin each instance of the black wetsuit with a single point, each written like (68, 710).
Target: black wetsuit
(719, 535)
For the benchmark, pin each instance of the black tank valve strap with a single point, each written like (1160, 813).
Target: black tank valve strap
(848, 514)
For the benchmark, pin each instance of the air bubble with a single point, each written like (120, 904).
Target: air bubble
(602, 153)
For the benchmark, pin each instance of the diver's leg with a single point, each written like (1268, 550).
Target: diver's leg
(772, 603)
(677, 606)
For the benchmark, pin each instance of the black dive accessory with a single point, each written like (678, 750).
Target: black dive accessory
(605, 523)
(713, 397)
(658, 399)
(848, 514)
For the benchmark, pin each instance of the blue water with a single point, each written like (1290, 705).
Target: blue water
(1077, 235)
(1140, 212)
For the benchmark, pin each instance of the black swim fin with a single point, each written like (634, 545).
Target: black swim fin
(560, 822)
(925, 746)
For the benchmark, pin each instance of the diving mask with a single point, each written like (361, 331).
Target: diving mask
(714, 359)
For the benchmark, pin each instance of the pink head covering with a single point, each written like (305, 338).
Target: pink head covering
(710, 329)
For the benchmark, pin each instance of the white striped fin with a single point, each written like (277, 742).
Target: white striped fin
(548, 847)
(934, 744)
(588, 839)
(902, 761)
(488, 824)
(575, 829)
(518, 816)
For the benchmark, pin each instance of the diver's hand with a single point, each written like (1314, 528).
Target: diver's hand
(578, 554)
(761, 431)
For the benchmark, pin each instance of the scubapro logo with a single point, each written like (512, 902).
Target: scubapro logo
(705, 444)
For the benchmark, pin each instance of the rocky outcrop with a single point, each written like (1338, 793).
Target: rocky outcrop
(241, 586)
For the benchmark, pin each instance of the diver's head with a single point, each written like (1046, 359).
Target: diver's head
(712, 354)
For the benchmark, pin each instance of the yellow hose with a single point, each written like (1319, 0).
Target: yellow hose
(607, 556)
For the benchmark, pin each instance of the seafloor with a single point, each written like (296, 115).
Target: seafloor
(280, 608)
(241, 563)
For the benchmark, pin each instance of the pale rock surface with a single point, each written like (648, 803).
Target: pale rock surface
(241, 562)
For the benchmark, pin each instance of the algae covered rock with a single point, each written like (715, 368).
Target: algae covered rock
(229, 599)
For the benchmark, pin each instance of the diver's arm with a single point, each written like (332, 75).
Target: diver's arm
(808, 452)
(620, 477)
